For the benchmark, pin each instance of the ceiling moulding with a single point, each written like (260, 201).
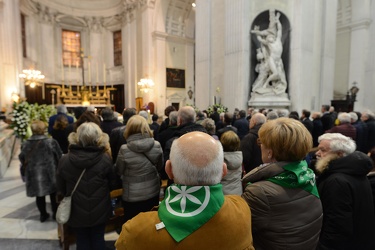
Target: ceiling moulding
(81, 8)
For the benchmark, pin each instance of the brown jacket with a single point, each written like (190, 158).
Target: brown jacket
(282, 218)
(230, 228)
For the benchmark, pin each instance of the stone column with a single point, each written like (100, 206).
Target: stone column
(10, 52)
(203, 91)
(236, 86)
(160, 76)
(359, 48)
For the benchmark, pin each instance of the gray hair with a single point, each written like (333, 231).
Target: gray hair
(89, 134)
(209, 125)
(344, 117)
(353, 116)
(185, 172)
(186, 115)
(272, 115)
(173, 118)
(339, 143)
(144, 114)
(62, 109)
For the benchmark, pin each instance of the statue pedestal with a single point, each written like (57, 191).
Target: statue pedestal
(269, 101)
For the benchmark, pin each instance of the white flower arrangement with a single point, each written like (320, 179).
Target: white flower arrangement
(24, 113)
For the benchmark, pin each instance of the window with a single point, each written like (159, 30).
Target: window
(23, 34)
(71, 46)
(117, 48)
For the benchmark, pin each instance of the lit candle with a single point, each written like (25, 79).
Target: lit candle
(104, 74)
(62, 70)
(89, 72)
(70, 71)
(77, 71)
(97, 73)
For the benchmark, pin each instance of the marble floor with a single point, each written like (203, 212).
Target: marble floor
(20, 228)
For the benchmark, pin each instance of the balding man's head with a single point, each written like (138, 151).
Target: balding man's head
(256, 119)
(196, 159)
(186, 115)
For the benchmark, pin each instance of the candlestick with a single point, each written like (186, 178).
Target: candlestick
(70, 70)
(62, 70)
(104, 74)
(97, 73)
(89, 72)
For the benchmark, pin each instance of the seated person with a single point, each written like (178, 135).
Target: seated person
(195, 214)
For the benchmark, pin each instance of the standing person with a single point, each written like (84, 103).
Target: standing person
(345, 127)
(195, 213)
(116, 138)
(348, 219)
(252, 156)
(215, 115)
(368, 118)
(154, 126)
(91, 202)
(284, 200)
(233, 158)
(317, 127)
(60, 132)
(40, 156)
(242, 124)
(61, 110)
(305, 119)
(165, 123)
(227, 125)
(109, 122)
(139, 162)
(326, 118)
(371, 174)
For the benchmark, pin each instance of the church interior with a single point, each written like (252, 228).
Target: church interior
(150, 54)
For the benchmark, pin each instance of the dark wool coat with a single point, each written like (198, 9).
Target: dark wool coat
(91, 203)
(252, 156)
(42, 163)
(371, 133)
(116, 140)
(348, 212)
(242, 126)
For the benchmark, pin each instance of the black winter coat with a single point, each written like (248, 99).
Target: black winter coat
(91, 203)
(348, 212)
(252, 156)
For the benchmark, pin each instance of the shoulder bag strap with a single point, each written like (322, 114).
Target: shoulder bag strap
(79, 179)
(148, 158)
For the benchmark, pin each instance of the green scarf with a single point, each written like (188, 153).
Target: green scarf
(297, 175)
(187, 208)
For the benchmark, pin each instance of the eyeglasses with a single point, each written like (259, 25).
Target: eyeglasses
(259, 142)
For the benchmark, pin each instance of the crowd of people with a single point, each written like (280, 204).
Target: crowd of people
(255, 179)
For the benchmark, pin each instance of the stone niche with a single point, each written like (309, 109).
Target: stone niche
(266, 95)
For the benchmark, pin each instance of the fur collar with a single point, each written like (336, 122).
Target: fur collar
(323, 163)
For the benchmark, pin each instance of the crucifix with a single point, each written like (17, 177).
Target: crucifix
(82, 57)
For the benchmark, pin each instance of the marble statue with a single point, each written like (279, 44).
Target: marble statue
(271, 78)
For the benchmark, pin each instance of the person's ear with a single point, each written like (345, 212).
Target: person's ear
(225, 169)
(168, 169)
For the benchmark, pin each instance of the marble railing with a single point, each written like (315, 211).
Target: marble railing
(7, 140)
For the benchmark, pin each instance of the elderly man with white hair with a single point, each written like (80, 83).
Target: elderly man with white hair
(345, 192)
(195, 214)
(345, 127)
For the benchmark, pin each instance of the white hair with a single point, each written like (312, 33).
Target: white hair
(344, 117)
(187, 173)
(339, 143)
(144, 114)
(353, 116)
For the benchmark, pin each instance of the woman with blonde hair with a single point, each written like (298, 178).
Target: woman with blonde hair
(233, 158)
(39, 158)
(282, 193)
(139, 162)
(91, 203)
